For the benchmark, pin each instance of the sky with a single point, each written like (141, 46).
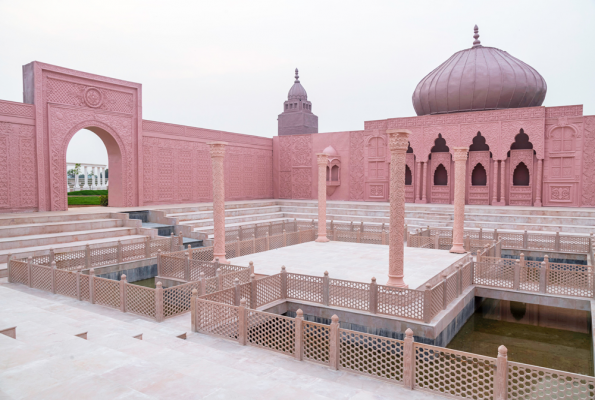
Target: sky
(228, 65)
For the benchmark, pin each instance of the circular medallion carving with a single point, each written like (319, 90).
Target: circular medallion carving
(93, 97)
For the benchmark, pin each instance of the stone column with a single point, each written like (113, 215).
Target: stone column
(77, 185)
(495, 184)
(460, 158)
(398, 142)
(322, 164)
(86, 185)
(101, 183)
(417, 182)
(539, 179)
(93, 185)
(502, 182)
(425, 183)
(217, 155)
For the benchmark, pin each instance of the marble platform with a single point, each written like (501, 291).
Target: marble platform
(350, 261)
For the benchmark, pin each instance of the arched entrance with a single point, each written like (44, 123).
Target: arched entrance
(67, 101)
(114, 153)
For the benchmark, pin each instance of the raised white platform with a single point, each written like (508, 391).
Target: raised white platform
(350, 261)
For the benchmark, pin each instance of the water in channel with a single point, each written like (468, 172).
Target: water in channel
(549, 337)
(146, 283)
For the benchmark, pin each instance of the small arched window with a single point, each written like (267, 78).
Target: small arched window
(479, 177)
(335, 173)
(440, 176)
(408, 178)
(327, 174)
(520, 177)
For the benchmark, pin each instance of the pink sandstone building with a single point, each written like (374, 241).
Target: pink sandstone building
(482, 98)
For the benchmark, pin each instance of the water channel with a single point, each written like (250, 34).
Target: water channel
(549, 337)
(150, 283)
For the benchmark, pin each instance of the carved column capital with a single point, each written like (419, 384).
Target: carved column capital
(398, 139)
(322, 159)
(217, 149)
(460, 153)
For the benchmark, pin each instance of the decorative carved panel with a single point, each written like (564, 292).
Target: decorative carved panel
(356, 166)
(410, 189)
(588, 186)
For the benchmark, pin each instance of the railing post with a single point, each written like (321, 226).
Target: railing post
(159, 301)
(123, 293)
(119, 251)
(159, 267)
(242, 323)
(406, 232)
(496, 234)
(240, 233)
(171, 242)
(501, 375)
(437, 241)
(284, 238)
(236, 292)
(8, 266)
(459, 280)
(87, 256)
(203, 284)
(253, 292)
(295, 225)
(193, 298)
(251, 267)
(268, 241)
(351, 226)
(334, 342)
(299, 335)
(78, 283)
(148, 247)
(219, 276)
(428, 303)
(92, 286)
(325, 289)
(283, 282)
(517, 273)
(543, 277)
(270, 229)
(253, 244)
(283, 225)
(29, 271)
(53, 267)
(187, 267)
(52, 256)
(557, 243)
(498, 249)
(525, 240)
(444, 291)
(480, 233)
(358, 237)
(238, 247)
(408, 236)
(409, 360)
(299, 236)
(373, 296)
(546, 259)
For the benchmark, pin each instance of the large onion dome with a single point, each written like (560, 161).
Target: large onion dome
(479, 78)
(297, 91)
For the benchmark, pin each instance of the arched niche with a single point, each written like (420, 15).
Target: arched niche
(479, 168)
(520, 175)
(521, 151)
(333, 170)
(479, 176)
(411, 187)
(440, 185)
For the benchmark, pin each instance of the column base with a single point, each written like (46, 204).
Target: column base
(222, 259)
(86, 188)
(458, 248)
(420, 201)
(322, 239)
(397, 281)
(498, 203)
(537, 204)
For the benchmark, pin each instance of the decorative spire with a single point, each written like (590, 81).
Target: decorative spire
(297, 76)
(476, 42)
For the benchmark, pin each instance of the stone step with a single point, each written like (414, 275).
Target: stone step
(210, 229)
(519, 226)
(233, 220)
(199, 215)
(366, 219)
(50, 217)
(57, 227)
(17, 242)
(209, 206)
(365, 212)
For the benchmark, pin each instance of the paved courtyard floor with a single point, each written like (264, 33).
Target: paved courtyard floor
(350, 261)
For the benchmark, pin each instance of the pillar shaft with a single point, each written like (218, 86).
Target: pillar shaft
(398, 141)
(425, 183)
(417, 182)
(322, 165)
(460, 157)
(495, 184)
(86, 185)
(502, 182)
(539, 179)
(217, 150)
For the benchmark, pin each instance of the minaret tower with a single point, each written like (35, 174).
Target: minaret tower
(297, 117)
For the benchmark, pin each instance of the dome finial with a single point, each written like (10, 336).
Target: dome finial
(476, 42)
(297, 76)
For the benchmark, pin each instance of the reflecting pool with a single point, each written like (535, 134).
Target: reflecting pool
(545, 336)
(145, 282)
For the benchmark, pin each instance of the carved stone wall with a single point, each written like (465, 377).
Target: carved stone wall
(296, 160)
(356, 168)
(588, 167)
(410, 189)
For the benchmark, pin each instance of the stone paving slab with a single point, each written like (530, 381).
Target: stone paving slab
(350, 261)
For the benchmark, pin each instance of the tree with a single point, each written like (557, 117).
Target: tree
(74, 171)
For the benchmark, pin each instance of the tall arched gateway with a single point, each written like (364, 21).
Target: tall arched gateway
(67, 101)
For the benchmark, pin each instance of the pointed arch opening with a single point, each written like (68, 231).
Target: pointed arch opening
(479, 176)
(440, 176)
(408, 177)
(479, 143)
(521, 176)
(440, 145)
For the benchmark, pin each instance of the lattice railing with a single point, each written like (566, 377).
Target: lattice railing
(66, 283)
(305, 287)
(18, 272)
(140, 300)
(454, 373)
(268, 290)
(316, 342)
(349, 294)
(107, 292)
(373, 355)
(217, 319)
(399, 302)
(528, 382)
(271, 331)
(176, 299)
(500, 274)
